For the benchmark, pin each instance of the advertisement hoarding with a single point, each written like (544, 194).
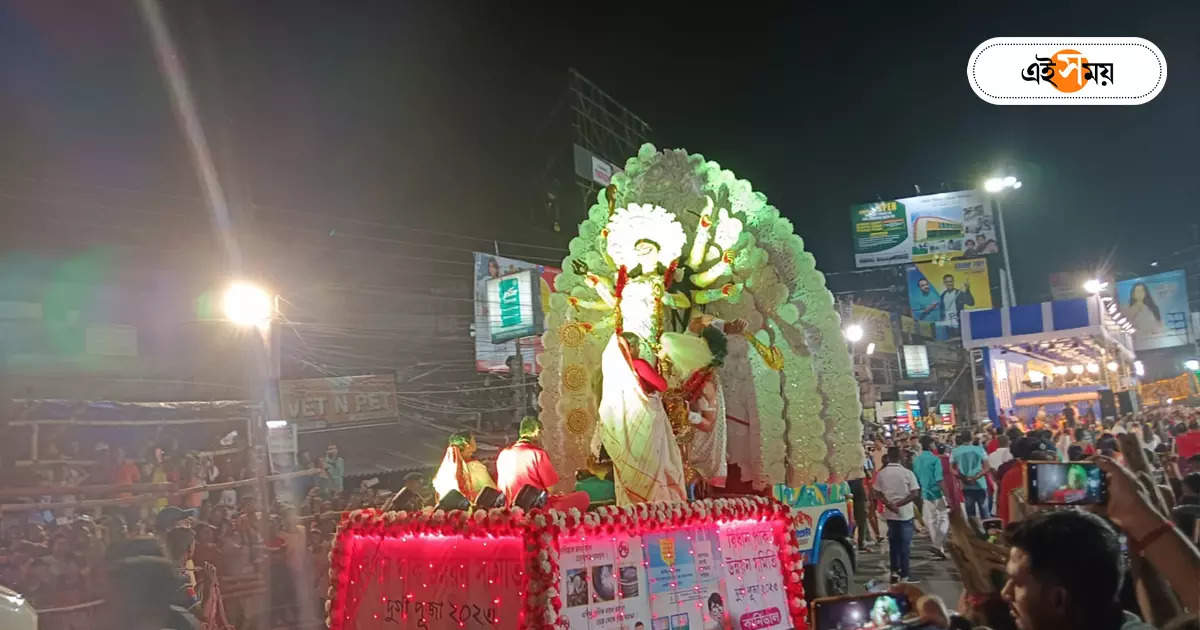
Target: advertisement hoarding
(938, 294)
(1157, 306)
(338, 399)
(1068, 285)
(916, 362)
(491, 272)
(590, 166)
(917, 229)
(517, 303)
(877, 327)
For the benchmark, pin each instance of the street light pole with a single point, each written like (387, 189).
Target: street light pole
(253, 309)
(996, 186)
(1010, 294)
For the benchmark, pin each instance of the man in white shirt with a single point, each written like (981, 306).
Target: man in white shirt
(954, 300)
(1001, 454)
(897, 487)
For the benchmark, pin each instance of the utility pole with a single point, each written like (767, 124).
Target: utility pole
(519, 402)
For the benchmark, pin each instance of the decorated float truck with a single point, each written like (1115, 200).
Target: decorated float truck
(691, 340)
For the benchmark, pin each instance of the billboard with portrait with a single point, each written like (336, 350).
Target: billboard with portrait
(916, 229)
(1157, 306)
(937, 294)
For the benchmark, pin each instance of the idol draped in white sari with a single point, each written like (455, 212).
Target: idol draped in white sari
(647, 464)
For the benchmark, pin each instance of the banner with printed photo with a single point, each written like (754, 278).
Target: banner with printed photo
(489, 303)
(686, 583)
(604, 583)
(1157, 306)
(916, 229)
(937, 294)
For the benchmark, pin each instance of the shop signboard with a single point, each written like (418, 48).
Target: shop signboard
(916, 361)
(338, 399)
(510, 300)
(902, 418)
(938, 293)
(516, 306)
(917, 229)
(1157, 306)
(946, 411)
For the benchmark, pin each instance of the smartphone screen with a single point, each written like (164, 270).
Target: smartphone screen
(873, 610)
(1072, 483)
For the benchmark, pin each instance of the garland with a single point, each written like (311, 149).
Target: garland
(541, 530)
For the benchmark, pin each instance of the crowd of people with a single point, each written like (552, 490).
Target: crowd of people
(208, 550)
(69, 563)
(1068, 567)
(218, 544)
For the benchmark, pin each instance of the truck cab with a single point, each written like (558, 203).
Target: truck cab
(16, 613)
(824, 536)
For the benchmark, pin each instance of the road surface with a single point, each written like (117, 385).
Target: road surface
(938, 577)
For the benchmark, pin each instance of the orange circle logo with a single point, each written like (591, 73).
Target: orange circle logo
(1070, 72)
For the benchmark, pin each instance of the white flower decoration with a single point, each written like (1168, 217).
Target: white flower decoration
(637, 223)
(728, 230)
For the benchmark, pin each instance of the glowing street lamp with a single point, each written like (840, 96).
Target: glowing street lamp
(247, 305)
(995, 186)
(250, 306)
(854, 333)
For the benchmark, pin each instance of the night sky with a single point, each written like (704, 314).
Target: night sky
(429, 113)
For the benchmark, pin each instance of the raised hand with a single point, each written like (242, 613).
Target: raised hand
(736, 326)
